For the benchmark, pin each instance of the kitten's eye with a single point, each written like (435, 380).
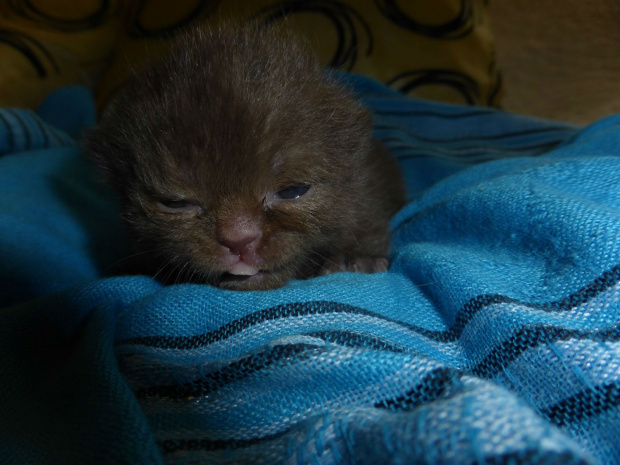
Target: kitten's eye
(178, 206)
(291, 192)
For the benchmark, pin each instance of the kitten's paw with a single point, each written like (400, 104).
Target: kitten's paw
(355, 265)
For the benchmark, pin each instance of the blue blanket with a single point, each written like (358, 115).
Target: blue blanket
(494, 338)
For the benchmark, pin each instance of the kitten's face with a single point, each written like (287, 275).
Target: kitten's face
(231, 157)
(252, 226)
(233, 198)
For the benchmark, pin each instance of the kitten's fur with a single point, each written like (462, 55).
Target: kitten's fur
(229, 119)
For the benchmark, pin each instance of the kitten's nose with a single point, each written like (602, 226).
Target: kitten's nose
(239, 232)
(239, 245)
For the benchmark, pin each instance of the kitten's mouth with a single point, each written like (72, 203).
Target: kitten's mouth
(243, 269)
(242, 272)
(229, 280)
(229, 277)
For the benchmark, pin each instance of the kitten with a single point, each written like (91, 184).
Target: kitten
(240, 163)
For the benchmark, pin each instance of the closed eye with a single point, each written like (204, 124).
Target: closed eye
(179, 206)
(291, 193)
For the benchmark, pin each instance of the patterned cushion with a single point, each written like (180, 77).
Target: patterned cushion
(440, 50)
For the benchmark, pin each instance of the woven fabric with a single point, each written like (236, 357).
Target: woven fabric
(494, 337)
(23, 130)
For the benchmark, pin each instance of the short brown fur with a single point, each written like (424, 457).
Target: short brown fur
(230, 118)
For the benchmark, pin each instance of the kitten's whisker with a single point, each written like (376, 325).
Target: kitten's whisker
(179, 274)
(131, 256)
(192, 272)
(327, 259)
(320, 266)
(168, 263)
(188, 274)
(176, 266)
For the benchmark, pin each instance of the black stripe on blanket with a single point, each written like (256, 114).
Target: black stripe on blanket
(533, 457)
(468, 156)
(25, 130)
(271, 314)
(525, 338)
(233, 372)
(9, 133)
(427, 113)
(464, 316)
(41, 127)
(587, 403)
(476, 138)
(430, 389)
(169, 446)
(529, 457)
(356, 339)
(474, 152)
(529, 336)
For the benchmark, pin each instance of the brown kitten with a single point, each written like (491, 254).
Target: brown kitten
(241, 164)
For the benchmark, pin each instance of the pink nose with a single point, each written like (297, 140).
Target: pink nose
(240, 232)
(240, 245)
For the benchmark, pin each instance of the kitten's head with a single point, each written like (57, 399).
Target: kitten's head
(235, 159)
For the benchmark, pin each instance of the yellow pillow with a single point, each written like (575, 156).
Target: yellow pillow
(434, 49)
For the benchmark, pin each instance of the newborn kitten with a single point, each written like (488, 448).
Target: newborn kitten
(241, 164)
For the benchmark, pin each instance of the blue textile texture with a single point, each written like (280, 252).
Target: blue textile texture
(494, 338)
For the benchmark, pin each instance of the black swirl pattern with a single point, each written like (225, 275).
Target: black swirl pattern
(411, 81)
(460, 26)
(38, 56)
(137, 27)
(101, 12)
(346, 22)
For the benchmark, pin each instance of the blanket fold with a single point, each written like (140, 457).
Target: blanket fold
(493, 338)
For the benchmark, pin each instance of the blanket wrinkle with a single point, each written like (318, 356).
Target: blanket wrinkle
(493, 338)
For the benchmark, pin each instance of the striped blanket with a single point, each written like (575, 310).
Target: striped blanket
(494, 338)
